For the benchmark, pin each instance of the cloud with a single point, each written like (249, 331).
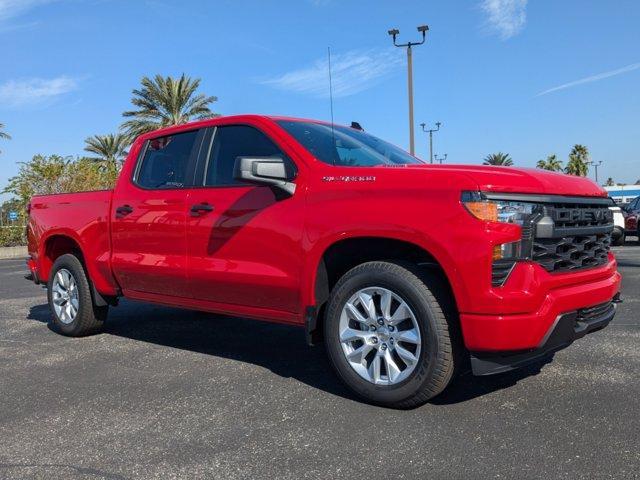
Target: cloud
(592, 78)
(506, 18)
(352, 72)
(35, 90)
(14, 8)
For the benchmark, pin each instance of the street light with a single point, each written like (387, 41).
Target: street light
(441, 159)
(430, 131)
(394, 33)
(596, 165)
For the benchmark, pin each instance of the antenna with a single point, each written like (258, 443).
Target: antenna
(333, 135)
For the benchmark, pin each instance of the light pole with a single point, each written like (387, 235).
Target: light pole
(394, 33)
(424, 129)
(441, 159)
(596, 165)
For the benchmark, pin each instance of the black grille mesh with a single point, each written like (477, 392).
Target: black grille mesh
(571, 253)
(581, 237)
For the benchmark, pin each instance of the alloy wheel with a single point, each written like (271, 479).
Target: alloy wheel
(380, 336)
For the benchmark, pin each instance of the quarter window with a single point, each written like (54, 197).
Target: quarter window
(166, 160)
(231, 142)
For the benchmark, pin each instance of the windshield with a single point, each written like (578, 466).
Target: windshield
(344, 146)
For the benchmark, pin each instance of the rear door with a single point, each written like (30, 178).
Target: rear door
(244, 241)
(149, 216)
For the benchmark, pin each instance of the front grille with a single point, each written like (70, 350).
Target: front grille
(579, 236)
(572, 252)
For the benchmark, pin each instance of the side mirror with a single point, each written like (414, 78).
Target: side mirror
(265, 171)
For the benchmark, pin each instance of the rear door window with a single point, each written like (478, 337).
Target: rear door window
(166, 162)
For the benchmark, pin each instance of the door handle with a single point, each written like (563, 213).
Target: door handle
(123, 211)
(200, 208)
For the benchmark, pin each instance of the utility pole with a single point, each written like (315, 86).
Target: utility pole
(441, 159)
(596, 165)
(394, 33)
(430, 131)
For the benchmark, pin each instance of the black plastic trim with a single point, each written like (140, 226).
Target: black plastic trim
(567, 328)
(311, 325)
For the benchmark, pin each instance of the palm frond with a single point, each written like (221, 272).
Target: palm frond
(164, 101)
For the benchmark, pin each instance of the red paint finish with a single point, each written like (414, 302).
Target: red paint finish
(257, 255)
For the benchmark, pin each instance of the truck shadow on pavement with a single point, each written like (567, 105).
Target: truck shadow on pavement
(279, 348)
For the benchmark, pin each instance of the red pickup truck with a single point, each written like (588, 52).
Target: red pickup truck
(406, 271)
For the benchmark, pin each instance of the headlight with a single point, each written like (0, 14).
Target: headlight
(504, 256)
(505, 211)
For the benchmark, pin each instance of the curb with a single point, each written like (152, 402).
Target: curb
(13, 252)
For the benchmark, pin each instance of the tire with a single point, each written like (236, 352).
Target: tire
(88, 319)
(618, 241)
(433, 314)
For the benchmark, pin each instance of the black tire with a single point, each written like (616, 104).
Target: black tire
(89, 318)
(426, 296)
(619, 240)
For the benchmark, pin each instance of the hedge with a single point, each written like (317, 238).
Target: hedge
(12, 236)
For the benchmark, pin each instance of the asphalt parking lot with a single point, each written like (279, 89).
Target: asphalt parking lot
(166, 393)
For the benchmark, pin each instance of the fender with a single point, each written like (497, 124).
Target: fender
(315, 252)
(98, 266)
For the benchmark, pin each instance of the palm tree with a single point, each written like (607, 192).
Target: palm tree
(108, 148)
(551, 163)
(3, 134)
(578, 163)
(164, 101)
(499, 159)
(609, 182)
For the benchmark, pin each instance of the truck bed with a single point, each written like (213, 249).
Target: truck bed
(83, 217)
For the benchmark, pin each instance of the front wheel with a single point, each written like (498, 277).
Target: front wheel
(388, 336)
(69, 295)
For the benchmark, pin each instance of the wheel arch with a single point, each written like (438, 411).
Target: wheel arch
(61, 243)
(339, 256)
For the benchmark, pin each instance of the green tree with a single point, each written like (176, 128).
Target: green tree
(110, 148)
(4, 135)
(498, 159)
(551, 163)
(11, 205)
(56, 174)
(164, 101)
(578, 163)
(609, 182)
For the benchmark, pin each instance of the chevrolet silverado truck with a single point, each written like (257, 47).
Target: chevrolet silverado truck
(408, 272)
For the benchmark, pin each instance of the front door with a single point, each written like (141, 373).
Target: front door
(243, 241)
(149, 217)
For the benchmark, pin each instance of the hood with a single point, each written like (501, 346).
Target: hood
(522, 180)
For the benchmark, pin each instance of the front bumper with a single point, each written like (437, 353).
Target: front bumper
(567, 328)
(525, 312)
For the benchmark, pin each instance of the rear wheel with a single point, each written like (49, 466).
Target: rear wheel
(388, 336)
(70, 300)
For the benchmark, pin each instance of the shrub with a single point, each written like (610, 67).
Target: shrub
(12, 236)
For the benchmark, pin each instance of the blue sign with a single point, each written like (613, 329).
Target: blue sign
(13, 216)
